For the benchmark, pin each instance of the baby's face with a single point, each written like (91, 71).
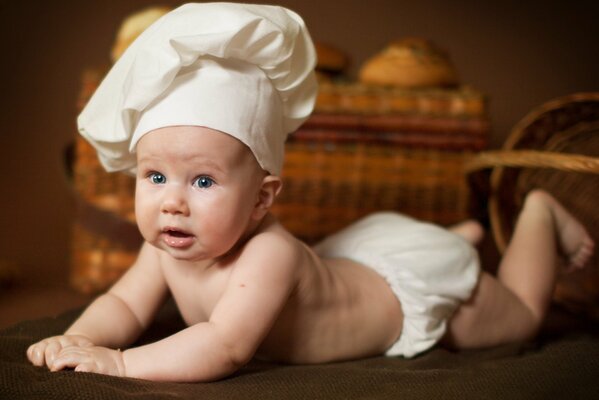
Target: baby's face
(195, 192)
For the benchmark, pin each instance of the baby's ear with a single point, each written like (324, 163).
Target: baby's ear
(270, 188)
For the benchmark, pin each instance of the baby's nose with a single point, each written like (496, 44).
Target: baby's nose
(174, 202)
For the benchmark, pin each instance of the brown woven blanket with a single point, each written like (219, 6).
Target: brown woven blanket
(559, 365)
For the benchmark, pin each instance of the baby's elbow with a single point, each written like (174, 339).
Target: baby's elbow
(224, 362)
(237, 356)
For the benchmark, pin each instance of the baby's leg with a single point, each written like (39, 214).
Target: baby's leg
(512, 306)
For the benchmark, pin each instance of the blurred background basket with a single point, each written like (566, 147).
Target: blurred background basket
(554, 147)
(342, 165)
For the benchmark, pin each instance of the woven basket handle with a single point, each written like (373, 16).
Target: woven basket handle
(532, 159)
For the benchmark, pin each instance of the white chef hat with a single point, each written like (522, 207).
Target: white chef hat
(246, 70)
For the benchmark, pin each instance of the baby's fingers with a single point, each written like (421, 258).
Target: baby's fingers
(36, 354)
(69, 357)
(86, 367)
(43, 353)
(52, 350)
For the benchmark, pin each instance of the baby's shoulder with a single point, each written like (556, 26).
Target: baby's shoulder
(275, 239)
(275, 245)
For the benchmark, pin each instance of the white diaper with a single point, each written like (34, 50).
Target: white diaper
(430, 270)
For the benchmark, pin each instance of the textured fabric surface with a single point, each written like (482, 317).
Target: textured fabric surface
(560, 365)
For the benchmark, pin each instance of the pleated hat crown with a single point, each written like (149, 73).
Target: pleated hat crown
(245, 70)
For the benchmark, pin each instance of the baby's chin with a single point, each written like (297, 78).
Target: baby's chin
(189, 255)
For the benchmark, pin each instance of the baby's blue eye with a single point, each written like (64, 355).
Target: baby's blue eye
(203, 182)
(157, 178)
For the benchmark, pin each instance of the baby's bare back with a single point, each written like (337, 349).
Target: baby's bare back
(340, 310)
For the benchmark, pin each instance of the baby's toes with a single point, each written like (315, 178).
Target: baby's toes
(586, 251)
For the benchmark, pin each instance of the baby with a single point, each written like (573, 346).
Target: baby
(199, 107)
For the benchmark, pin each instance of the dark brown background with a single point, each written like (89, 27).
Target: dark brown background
(519, 54)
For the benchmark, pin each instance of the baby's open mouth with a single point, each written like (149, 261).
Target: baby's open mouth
(177, 238)
(176, 233)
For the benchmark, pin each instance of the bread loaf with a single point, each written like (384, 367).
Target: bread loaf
(409, 63)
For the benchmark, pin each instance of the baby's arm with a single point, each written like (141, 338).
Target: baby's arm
(116, 318)
(259, 286)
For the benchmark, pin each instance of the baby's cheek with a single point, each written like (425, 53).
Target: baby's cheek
(145, 222)
(147, 232)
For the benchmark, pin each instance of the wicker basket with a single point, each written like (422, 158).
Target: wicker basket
(341, 167)
(364, 149)
(554, 147)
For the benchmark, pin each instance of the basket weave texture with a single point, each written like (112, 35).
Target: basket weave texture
(363, 150)
(555, 147)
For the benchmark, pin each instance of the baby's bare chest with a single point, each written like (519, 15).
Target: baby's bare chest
(195, 292)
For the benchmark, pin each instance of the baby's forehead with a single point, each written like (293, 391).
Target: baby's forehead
(195, 143)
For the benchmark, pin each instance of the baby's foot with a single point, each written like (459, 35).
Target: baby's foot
(575, 243)
(471, 230)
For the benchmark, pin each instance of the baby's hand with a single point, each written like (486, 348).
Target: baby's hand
(100, 360)
(45, 351)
